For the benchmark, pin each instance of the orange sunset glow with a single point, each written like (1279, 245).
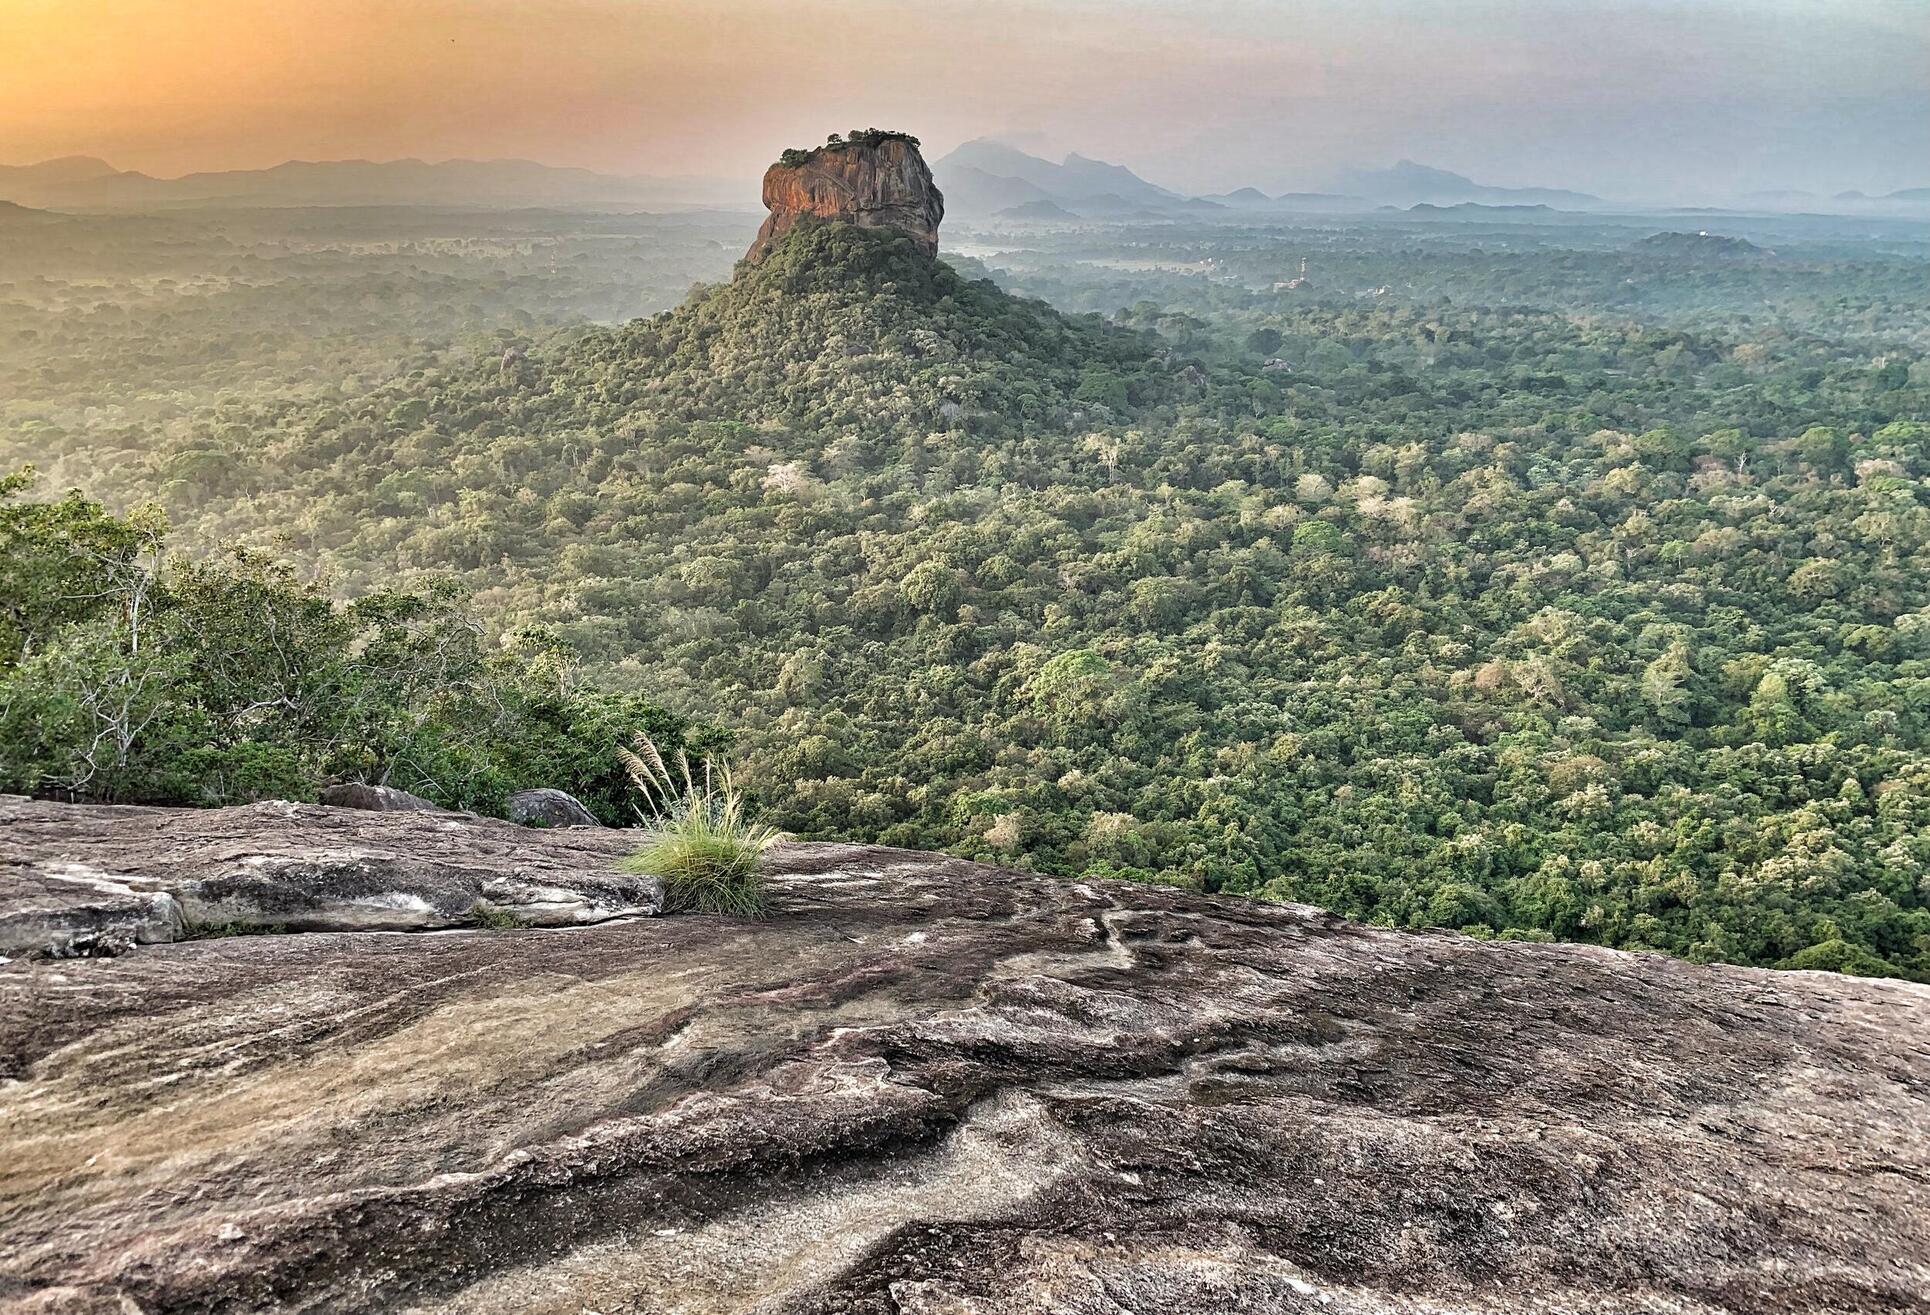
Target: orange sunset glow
(1208, 94)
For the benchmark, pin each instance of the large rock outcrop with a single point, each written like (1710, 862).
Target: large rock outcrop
(875, 180)
(88, 882)
(926, 1087)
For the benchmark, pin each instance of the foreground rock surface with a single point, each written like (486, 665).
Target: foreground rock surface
(873, 184)
(925, 1087)
(97, 881)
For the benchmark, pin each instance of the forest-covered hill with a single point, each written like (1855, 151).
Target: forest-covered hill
(1524, 621)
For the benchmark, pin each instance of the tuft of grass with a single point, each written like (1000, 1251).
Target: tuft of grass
(494, 917)
(703, 845)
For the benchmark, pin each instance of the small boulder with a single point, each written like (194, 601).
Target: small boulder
(547, 807)
(377, 799)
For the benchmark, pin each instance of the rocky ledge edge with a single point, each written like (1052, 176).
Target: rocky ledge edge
(83, 882)
(922, 1086)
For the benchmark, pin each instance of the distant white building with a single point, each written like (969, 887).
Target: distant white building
(1295, 284)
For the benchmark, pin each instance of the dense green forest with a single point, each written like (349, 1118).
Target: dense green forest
(128, 675)
(1507, 601)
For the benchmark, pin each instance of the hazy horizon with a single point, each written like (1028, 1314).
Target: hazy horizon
(1674, 98)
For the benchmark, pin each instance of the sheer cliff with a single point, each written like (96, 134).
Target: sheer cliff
(872, 179)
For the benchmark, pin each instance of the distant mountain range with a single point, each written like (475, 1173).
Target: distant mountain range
(985, 177)
(1252, 198)
(53, 173)
(1408, 184)
(1908, 201)
(82, 183)
(988, 179)
(1911, 195)
(20, 214)
(981, 180)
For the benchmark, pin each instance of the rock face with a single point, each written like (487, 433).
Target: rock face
(926, 1087)
(549, 808)
(83, 882)
(875, 181)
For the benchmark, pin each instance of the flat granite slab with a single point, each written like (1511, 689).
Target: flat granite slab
(927, 1087)
(78, 881)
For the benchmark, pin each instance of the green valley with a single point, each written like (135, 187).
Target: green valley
(1535, 585)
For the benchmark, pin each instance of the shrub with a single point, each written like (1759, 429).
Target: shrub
(128, 676)
(703, 846)
(494, 917)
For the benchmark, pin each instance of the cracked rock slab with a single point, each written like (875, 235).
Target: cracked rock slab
(78, 881)
(927, 1087)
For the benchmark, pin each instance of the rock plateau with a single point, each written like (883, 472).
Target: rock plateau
(91, 882)
(874, 180)
(920, 1087)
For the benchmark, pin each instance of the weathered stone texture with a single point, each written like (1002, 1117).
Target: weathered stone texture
(926, 1087)
(84, 882)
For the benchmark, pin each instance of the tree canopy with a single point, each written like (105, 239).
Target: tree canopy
(1516, 617)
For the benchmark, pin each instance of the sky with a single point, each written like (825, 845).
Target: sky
(1633, 99)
